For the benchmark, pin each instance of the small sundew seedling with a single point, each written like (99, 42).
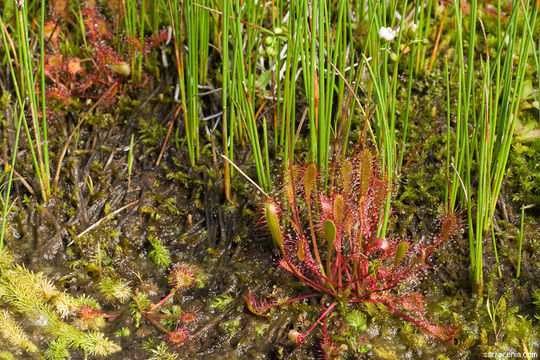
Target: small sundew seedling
(171, 322)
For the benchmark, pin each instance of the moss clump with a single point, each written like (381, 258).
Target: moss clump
(524, 172)
(159, 254)
(33, 296)
(158, 351)
(14, 334)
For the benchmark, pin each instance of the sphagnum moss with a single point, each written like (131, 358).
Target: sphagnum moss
(34, 296)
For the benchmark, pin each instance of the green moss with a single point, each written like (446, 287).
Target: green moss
(158, 351)
(123, 332)
(159, 254)
(33, 295)
(6, 355)
(230, 326)
(175, 311)
(58, 349)
(151, 133)
(114, 289)
(14, 334)
(356, 319)
(524, 172)
(100, 120)
(140, 299)
(220, 302)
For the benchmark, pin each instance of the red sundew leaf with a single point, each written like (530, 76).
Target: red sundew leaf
(95, 24)
(289, 190)
(259, 307)
(442, 332)
(58, 95)
(74, 66)
(54, 63)
(59, 7)
(51, 32)
(413, 303)
(364, 171)
(103, 30)
(301, 246)
(346, 176)
(310, 177)
(134, 44)
(155, 41)
(182, 275)
(339, 210)
(177, 336)
(326, 207)
(190, 316)
(450, 225)
(285, 265)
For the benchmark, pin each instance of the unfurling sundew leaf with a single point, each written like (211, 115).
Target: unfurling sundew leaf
(365, 170)
(329, 229)
(401, 251)
(339, 209)
(272, 220)
(309, 181)
(346, 172)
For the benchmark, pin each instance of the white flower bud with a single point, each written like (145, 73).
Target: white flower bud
(387, 34)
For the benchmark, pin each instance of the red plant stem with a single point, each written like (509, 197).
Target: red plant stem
(346, 270)
(155, 306)
(158, 325)
(163, 316)
(109, 315)
(312, 231)
(300, 298)
(331, 282)
(323, 315)
(306, 280)
(339, 271)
